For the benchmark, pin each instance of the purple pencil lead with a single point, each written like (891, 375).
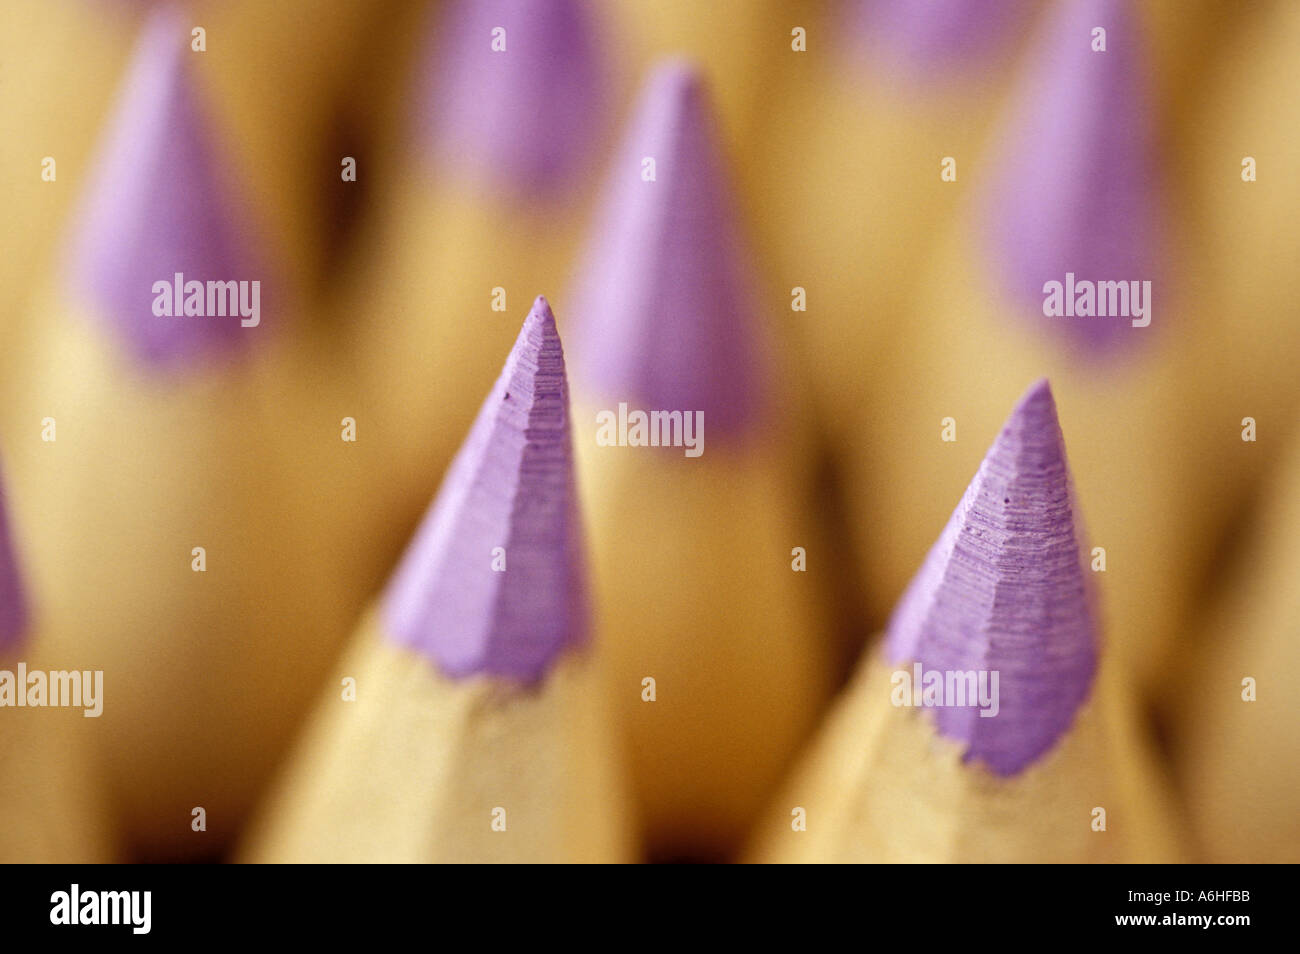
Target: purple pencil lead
(494, 581)
(664, 305)
(1074, 191)
(512, 91)
(1003, 590)
(158, 211)
(13, 602)
(939, 38)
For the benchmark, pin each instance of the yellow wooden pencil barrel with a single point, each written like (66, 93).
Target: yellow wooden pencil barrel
(1233, 713)
(696, 590)
(54, 803)
(881, 786)
(423, 768)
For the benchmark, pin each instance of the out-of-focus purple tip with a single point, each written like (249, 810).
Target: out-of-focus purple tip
(1003, 590)
(13, 601)
(936, 38)
(1075, 187)
(512, 92)
(665, 303)
(157, 205)
(494, 581)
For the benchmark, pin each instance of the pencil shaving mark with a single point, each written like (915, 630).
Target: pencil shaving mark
(1004, 589)
(664, 305)
(511, 481)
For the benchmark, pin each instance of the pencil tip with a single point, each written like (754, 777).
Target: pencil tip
(1003, 591)
(13, 602)
(1073, 191)
(157, 207)
(513, 92)
(665, 303)
(493, 582)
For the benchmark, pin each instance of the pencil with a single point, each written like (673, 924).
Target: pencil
(1074, 188)
(146, 549)
(745, 74)
(930, 45)
(471, 196)
(53, 808)
(51, 797)
(158, 217)
(1026, 755)
(670, 325)
(477, 732)
(1237, 759)
(509, 88)
(1233, 711)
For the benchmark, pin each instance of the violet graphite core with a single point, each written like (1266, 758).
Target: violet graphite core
(665, 314)
(1075, 178)
(13, 602)
(467, 606)
(513, 90)
(938, 37)
(157, 204)
(1004, 590)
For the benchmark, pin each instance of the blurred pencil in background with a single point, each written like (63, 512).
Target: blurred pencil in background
(52, 796)
(124, 450)
(671, 324)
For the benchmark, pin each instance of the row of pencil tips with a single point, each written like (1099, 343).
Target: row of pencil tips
(469, 718)
(480, 727)
(514, 97)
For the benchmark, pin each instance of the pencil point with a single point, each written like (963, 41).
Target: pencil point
(665, 305)
(513, 91)
(13, 603)
(1074, 189)
(157, 207)
(937, 40)
(510, 490)
(1003, 590)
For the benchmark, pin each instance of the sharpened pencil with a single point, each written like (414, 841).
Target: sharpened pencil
(478, 730)
(1074, 188)
(510, 90)
(982, 733)
(156, 230)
